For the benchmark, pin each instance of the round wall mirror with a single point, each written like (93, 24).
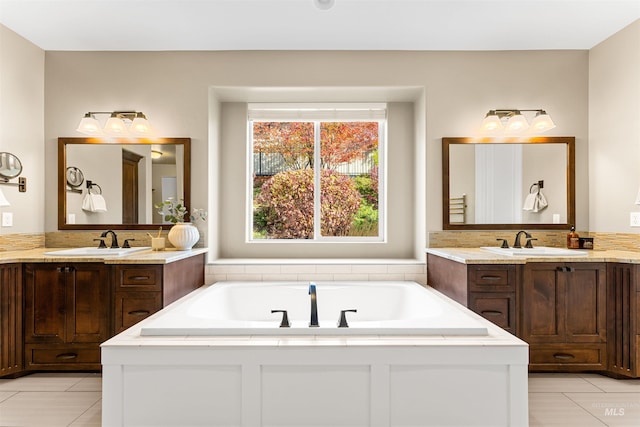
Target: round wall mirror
(10, 166)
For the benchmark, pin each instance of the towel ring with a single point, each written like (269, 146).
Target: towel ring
(539, 184)
(91, 185)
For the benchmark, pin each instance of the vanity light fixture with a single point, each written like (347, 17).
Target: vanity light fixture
(156, 154)
(512, 121)
(119, 123)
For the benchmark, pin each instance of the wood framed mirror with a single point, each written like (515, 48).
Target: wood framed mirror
(488, 183)
(130, 175)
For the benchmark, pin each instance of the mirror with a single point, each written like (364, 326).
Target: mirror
(508, 183)
(124, 177)
(10, 166)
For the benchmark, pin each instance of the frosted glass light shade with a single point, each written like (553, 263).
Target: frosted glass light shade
(542, 123)
(115, 126)
(517, 124)
(3, 200)
(90, 126)
(491, 123)
(140, 125)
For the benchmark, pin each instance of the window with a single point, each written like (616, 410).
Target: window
(296, 149)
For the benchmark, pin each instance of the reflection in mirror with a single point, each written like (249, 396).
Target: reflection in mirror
(10, 166)
(128, 177)
(508, 183)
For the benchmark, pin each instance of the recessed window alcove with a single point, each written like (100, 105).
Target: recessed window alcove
(229, 166)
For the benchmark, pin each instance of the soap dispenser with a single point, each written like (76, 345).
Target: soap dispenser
(573, 240)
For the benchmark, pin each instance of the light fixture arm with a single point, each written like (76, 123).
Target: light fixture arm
(509, 112)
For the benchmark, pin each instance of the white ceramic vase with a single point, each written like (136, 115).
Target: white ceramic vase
(183, 235)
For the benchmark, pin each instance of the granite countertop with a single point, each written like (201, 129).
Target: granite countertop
(142, 257)
(480, 256)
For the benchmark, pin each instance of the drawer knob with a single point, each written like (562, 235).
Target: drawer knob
(67, 356)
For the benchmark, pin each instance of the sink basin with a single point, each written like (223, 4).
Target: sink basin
(92, 251)
(541, 251)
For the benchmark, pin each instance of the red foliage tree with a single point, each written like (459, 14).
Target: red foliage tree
(340, 142)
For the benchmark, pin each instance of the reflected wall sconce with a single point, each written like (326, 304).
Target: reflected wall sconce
(119, 123)
(512, 121)
(156, 154)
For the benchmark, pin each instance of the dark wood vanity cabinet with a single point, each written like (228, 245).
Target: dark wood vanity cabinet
(486, 289)
(141, 290)
(10, 319)
(564, 315)
(66, 307)
(623, 319)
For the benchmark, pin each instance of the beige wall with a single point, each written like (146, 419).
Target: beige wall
(614, 131)
(22, 128)
(172, 88)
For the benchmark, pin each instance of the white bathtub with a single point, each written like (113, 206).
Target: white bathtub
(427, 378)
(244, 308)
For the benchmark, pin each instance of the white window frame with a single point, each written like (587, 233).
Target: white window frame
(317, 113)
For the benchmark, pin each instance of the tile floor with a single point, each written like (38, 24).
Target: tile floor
(581, 400)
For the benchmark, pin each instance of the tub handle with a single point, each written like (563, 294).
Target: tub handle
(342, 323)
(285, 318)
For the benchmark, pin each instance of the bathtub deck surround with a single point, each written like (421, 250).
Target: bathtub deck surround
(356, 380)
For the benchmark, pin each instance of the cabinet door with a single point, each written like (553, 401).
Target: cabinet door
(542, 304)
(87, 303)
(44, 303)
(10, 319)
(585, 314)
(564, 303)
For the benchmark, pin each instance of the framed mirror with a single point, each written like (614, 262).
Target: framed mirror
(124, 177)
(508, 183)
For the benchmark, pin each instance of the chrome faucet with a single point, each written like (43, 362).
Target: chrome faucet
(517, 244)
(314, 306)
(114, 238)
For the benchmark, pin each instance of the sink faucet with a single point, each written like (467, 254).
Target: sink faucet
(517, 244)
(114, 238)
(314, 306)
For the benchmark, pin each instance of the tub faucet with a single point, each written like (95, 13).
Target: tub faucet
(517, 244)
(114, 238)
(314, 306)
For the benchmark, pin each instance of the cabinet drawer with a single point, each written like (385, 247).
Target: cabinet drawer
(139, 278)
(493, 278)
(584, 357)
(132, 307)
(50, 356)
(496, 307)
